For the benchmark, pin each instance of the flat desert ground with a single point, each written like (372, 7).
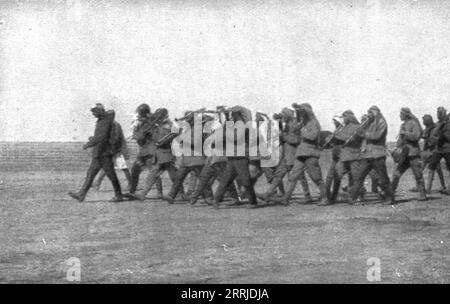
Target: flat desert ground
(153, 242)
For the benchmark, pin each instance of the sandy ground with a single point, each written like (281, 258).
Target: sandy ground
(153, 242)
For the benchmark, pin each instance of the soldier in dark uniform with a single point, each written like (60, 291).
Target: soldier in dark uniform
(238, 165)
(290, 139)
(409, 137)
(349, 151)
(373, 156)
(307, 153)
(163, 160)
(426, 154)
(147, 148)
(102, 155)
(120, 158)
(440, 138)
(190, 163)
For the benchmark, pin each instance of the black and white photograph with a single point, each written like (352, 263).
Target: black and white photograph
(225, 142)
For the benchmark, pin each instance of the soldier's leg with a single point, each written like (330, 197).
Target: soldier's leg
(416, 167)
(153, 175)
(179, 178)
(226, 179)
(447, 163)
(192, 181)
(276, 180)
(330, 179)
(280, 184)
(92, 172)
(99, 179)
(398, 172)
(374, 181)
(440, 173)
(136, 170)
(127, 174)
(204, 179)
(172, 171)
(379, 165)
(342, 168)
(433, 164)
(243, 173)
(255, 171)
(108, 166)
(359, 170)
(315, 173)
(297, 173)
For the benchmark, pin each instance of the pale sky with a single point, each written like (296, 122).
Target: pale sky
(58, 58)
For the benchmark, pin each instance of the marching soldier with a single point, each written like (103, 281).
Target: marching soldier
(349, 151)
(440, 137)
(120, 159)
(102, 154)
(408, 142)
(307, 154)
(290, 138)
(373, 155)
(427, 152)
(163, 159)
(147, 148)
(189, 163)
(237, 166)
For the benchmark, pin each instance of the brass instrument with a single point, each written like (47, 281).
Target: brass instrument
(363, 124)
(154, 121)
(330, 139)
(166, 139)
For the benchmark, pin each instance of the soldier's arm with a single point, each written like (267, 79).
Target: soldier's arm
(310, 131)
(100, 134)
(291, 138)
(345, 133)
(413, 132)
(378, 132)
(446, 131)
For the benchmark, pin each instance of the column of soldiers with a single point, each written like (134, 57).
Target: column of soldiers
(358, 149)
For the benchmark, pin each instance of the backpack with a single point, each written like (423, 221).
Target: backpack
(116, 138)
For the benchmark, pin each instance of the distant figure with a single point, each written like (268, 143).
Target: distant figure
(408, 140)
(147, 148)
(102, 154)
(373, 156)
(120, 159)
(440, 138)
(428, 152)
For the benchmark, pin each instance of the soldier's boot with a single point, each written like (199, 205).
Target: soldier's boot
(168, 199)
(422, 192)
(77, 196)
(324, 200)
(430, 179)
(116, 199)
(287, 196)
(306, 192)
